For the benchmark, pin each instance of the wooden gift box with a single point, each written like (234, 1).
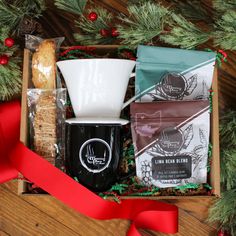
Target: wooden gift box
(103, 50)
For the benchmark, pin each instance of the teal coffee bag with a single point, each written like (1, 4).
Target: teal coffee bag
(173, 74)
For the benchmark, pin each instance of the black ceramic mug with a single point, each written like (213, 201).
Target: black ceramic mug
(93, 152)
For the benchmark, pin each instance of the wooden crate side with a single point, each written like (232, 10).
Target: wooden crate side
(24, 110)
(215, 165)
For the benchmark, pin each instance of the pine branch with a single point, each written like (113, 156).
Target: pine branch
(33, 8)
(4, 33)
(228, 147)
(224, 5)
(192, 10)
(228, 130)
(90, 30)
(9, 15)
(12, 14)
(146, 21)
(225, 31)
(228, 167)
(10, 74)
(90, 39)
(73, 6)
(184, 34)
(10, 80)
(130, 2)
(223, 212)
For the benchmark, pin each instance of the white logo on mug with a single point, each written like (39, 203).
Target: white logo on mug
(95, 155)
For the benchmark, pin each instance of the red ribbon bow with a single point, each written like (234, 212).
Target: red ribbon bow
(15, 157)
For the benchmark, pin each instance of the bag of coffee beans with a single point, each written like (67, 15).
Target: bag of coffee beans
(171, 141)
(173, 74)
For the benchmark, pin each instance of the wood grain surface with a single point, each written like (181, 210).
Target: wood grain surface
(46, 216)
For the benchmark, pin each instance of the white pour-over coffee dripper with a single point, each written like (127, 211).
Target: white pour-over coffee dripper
(97, 87)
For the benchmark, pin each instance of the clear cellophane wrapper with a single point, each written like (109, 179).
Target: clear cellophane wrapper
(47, 113)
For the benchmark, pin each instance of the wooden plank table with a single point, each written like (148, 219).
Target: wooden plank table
(46, 216)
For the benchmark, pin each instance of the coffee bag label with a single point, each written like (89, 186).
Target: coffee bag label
(173, 74)
(173, 167)
(189, 85)
(177, 152)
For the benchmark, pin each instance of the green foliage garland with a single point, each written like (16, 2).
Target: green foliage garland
(10, 81)
(91, 30)
(72, 6)
(224, 5)
(148, 22)
(184, 34)
(145, 22)
(225, 31)
(223, 210)
(12, 14)
(10, 74)
(191, 9)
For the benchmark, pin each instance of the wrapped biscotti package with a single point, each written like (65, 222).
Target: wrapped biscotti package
(43, 61)
(47, 113)
(46, 100)
(171, 141)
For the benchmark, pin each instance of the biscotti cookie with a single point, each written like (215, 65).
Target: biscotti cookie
(45, 138)
(44, 65)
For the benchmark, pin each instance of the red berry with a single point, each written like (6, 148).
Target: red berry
(93, 16)
(4, 60)
(9, 42)
(104, 32)
(223, 233)
(224, 54)
(114, 32)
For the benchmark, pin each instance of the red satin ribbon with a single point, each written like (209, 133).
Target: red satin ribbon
(9, 135)
(14, 156)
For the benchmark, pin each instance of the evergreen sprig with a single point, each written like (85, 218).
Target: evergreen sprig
(13, 13)
(192, 10)
(130, 2)
(10, 80)
(228, 130)
(4, 33)
(224, 212)
(91, 30)
(73, 6)
(228, 167)
(10, 74)
(224, 5)
(184, 34)
(228, 153)
(225, 31)
(145, 22)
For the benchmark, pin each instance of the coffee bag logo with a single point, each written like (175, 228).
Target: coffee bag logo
(174, 86)
(95, 155)
(171, 140)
